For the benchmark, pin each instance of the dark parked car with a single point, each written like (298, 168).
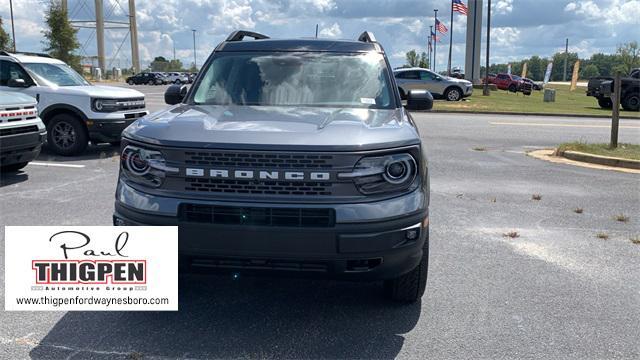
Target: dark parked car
(601, 88)
(291, 156)
(146, 78)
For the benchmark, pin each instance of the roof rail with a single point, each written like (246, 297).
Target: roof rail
(367, 36)
(6, 53)
(241, 34)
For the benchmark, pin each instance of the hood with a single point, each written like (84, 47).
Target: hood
(460, 81)
(99, 91)
(257, 127)
(8, 98)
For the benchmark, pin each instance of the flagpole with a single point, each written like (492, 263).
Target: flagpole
(435, 42)
(431, 41)
(450, 40)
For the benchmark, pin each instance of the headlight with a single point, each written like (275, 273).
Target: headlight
(143, 166)
(105, 105)
(383, 174)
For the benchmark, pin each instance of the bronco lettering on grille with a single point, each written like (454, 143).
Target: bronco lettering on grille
(259, 175)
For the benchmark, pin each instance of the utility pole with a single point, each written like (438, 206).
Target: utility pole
(435, 41)
(100, 36)
(450, 41)
(195, 64)
(485, 89)
(615, 113)
(566, 57)
(13, 30)
(64, 6)
(133, 32)
(430, 43)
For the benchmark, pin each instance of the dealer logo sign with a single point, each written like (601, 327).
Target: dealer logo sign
(91, 268)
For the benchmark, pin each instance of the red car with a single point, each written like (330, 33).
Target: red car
(508, 82)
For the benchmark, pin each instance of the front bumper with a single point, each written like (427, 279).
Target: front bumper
(15, 149)
(110, 129)
(369, 241)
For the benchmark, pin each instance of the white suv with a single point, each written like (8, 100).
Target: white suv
(73, 110)
(21, 131)
(177, 78)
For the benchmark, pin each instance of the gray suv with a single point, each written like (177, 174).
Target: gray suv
(287, 156)
(443, 87)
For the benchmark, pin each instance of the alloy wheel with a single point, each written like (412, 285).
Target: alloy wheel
(64, 136)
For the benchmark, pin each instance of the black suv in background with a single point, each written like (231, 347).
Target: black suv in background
(146, 79)
(291, 156)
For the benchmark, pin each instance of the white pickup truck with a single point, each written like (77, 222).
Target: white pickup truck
(73, 110)
(22, 133)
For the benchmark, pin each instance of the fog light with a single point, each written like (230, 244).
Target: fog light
(119, 222)
(412, 234)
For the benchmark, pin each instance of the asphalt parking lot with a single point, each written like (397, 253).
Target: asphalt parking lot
(556, 291)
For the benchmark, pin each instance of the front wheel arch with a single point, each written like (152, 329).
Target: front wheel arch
(450, 88)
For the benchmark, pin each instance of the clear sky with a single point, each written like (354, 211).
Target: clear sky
(520, 28)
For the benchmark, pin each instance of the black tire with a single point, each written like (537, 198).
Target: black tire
(410, 287)
(513, 88)
(631, 101)
(178, 82)
(13, 167)
(605, 103)
(453, 94)
(130, 82)
(67, 135)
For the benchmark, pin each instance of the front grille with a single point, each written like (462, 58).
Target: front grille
(18, 130)
(259, 160)
(256, 216)
(259, 264)
(123, 106)
(258, 187)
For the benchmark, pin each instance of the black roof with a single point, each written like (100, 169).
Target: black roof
(299, 45)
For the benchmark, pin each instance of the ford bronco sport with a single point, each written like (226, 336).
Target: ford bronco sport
(73, 110)
(21, 131)
(287, 156)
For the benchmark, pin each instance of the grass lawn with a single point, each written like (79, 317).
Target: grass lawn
(567, 102)
(626, 151)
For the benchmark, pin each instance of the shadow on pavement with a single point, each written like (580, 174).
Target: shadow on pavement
(221, 317)
(10, 178)
(93, 152)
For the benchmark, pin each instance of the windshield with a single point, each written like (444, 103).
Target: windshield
(58, 74)
(296, 79)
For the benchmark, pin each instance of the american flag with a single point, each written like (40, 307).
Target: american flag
(460, 7)
(435, 37)
(440, 27)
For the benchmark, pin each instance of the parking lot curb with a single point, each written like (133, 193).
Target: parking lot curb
(601, 160)
(528, 114)
(551, 156)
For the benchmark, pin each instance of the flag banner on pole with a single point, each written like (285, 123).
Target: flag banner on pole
(440, 27)
(574, 77)
(547, 74)
(435, 37)
(459, 6)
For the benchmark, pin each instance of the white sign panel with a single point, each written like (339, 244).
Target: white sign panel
(547, 74)
(91, 268)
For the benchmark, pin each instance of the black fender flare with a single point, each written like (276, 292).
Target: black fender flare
(55, 109)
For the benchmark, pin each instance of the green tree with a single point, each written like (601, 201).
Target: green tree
(629, 55)
(558, 65)
(61, 38)
(175, 65)
(589, 71)
(159, 63)
(424, 62)
(5, 40)
(412, 58)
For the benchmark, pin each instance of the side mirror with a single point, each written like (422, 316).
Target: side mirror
(175, 94)
(419, 100)
(17, 83)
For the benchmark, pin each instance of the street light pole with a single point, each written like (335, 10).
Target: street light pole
(485, 89)
(13, 30)
(195, 66)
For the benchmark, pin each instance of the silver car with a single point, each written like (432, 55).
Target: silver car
(439, 86)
